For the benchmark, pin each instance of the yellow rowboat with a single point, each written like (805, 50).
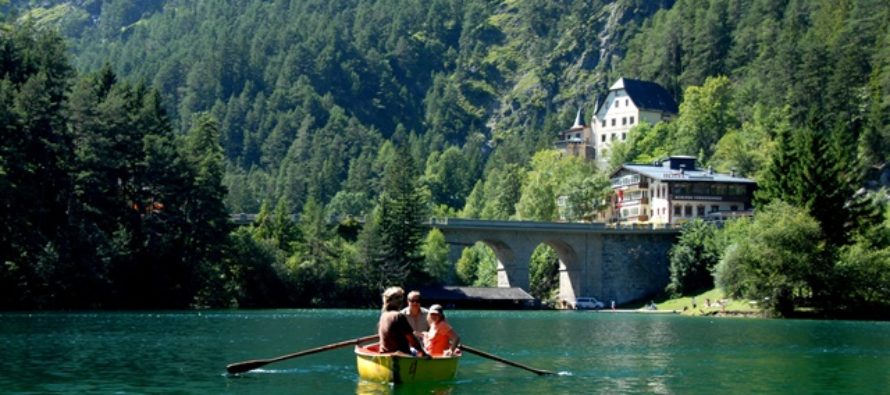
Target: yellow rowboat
(401, 368)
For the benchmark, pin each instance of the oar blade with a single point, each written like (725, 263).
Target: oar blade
(245, 366)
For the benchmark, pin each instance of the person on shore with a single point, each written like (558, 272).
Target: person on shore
(416, 314)
(441, 338)
(393, 328)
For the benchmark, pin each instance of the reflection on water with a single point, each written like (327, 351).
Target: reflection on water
(370, 388)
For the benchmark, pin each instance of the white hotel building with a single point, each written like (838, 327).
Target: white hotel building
(674, 191)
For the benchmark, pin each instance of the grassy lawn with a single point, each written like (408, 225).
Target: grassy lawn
(714, 295)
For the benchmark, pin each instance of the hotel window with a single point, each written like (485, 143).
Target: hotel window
(631, 120)
(614, 137)
(688, 211)
(623, 136)
(624, 120)
(613, 121)
(715, 208)
(678, 211)
(734, 208)
(625, 102)
(604, 123)
(603, 137)
(700, 211)
(617, 103)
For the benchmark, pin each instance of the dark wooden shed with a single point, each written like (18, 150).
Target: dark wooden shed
(478, 298)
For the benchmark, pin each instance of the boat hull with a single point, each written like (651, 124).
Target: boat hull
(373, 366)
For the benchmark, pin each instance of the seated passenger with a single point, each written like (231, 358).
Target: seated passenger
(441, 340)
(416, 314)
(393, 329)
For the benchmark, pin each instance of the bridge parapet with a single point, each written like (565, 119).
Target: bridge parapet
(570, 227)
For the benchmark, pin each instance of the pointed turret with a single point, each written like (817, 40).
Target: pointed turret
(579, 120)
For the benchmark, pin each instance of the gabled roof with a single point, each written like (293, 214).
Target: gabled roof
(647, 95)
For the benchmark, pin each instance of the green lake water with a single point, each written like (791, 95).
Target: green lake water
(594, 352)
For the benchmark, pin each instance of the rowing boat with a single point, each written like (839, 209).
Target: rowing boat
(401, 368)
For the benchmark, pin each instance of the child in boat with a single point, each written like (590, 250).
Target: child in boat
(441, 340)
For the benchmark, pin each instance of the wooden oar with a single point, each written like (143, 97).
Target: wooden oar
(502, 360)
(241, 367)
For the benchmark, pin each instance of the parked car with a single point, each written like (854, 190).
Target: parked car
(588, 303)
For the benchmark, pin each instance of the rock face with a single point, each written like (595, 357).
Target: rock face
(589, 44)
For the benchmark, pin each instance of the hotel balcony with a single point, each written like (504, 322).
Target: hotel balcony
(630, 180)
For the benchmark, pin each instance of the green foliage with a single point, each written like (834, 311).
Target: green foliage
(647, 143)
(502, 192)
(693, 258)
(746, 150)
(477, 266)
(779, 261)
(706, 114)
(402, 210)
(283, 103)
(863, 272)
(553, 176)
(544, 273)
(435, 252)
(129, 215)
(448, 177)
(486, 268)
(586, 196)
(258, 276)
(818, 171)
(475, 202)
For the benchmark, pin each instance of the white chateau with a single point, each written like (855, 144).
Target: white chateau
(668, 192)
(628, 103)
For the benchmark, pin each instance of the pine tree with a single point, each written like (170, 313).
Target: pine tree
(778, 177)
(402, 210)
(475, 202)
(206, 213)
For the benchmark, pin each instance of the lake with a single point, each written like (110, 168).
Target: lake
(594, 352)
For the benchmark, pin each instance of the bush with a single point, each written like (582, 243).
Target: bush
(780, 262)
(693, 258)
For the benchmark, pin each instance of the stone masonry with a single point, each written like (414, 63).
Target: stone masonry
(609, 263)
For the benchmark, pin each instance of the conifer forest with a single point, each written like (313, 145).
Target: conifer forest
(131, 130)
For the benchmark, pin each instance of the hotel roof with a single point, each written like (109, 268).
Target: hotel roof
(671, 170)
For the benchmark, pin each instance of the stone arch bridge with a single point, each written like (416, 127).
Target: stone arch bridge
(610, 263)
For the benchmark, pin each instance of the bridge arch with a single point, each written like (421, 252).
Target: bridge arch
(620, 264)
(569, 268)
